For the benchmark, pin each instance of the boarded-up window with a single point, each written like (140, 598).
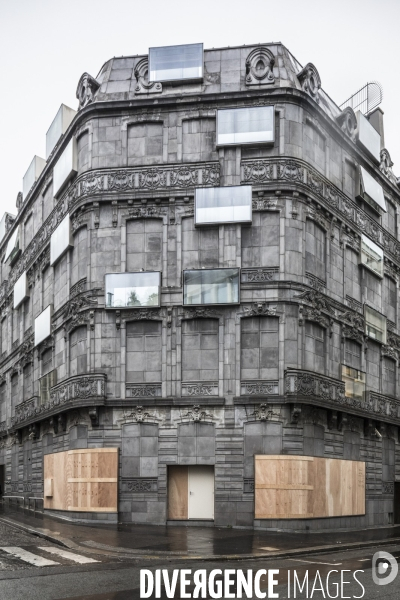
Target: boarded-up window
(200, 350)
(198, 140)
(389, 376)
(47, 361)
(314, 147)
(27, 313)
(145, 143)
(83, 152)
(4, 336)
(78, 351)
(352, 275)
(350, 178)
(391, 217)
(15, 400)
(47, 289)
(143, 351)
(352, 354)
(28, 230)
(314, 347)
(389, 303)
(259, 348)
(3, 400)
(28, 382)
(79, 256)
(260, 242)
(199, 246)
(16, 318)
(144, 245)
(315, 250)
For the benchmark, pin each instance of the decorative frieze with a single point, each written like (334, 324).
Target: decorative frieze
(200, 388)
(388, 487)
(248, 485)
(259, 388)
(260, 275)
(143, 390)
(140, 485)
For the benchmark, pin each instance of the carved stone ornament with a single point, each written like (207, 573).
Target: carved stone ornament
(353, 326)
(196, 414)
(260, 67)
(347, 121)
(259, 309)
(86, 90)
(198, 313)
(139, 415)
(310, 81)
(19, 201)
(143, 86)
(386, 166)
(263, 413)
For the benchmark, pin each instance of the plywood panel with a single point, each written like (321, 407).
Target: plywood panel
(293, 487)
(84, 480)
(178, 492)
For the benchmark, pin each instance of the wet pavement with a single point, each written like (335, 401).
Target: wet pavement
(192, 541)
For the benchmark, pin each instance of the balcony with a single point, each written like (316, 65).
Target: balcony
(312, 388)
(78, 391)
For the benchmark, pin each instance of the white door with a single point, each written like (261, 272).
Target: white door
(201, 492)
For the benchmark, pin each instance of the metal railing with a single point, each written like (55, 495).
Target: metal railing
(366, 98)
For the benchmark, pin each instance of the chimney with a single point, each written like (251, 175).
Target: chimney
(376, 120)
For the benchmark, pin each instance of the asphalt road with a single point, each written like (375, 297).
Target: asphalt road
(110, 576)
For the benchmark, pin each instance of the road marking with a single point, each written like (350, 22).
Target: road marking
(269, 548)
(314, 562)
(32, 559)
(82, 560)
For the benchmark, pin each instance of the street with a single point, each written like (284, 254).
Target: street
(33, 567)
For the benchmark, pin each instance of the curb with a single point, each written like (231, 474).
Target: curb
(67, 543)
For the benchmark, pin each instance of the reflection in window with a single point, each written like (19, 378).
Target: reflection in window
(245, 125)
(45, 384)
(223, 205)
(216, 286)
(354, 381)
(126, 290)
(371, 255)
(375, 324)
(371, 191)
(171, 63)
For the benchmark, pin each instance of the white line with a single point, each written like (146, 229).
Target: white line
(33, 559)
(316, 562)
(82, 560)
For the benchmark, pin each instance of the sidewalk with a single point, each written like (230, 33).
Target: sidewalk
(210, 543)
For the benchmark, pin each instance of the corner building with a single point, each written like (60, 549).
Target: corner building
(199, 301)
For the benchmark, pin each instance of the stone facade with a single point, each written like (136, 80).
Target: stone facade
(209, 385)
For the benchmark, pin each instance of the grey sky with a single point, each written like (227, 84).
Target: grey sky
(47, 44)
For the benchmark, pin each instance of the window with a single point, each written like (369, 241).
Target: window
(127, 290)
(198, 140)
(200, 359)
(3, 405)
(259, 348)
(389, 376)
(145, 143)
(199, 246)
(368, 137)
(143, 352)
(260, 242)
(172, 63)
(28, 231)
(314, 347)
(315, 250)
(21, 291)
(214, 286)
(78, 351)
(391, 218)
(352, 274)
(61, 240)
(79, 256)
(352, 354)
(375, 324)
(45, 384)
(354, 381)
(389, 299)
(15, 400)
(371, 191)
(43, 325)
(223, 205)
(245, 125)
(58, 127)
(65, 167)
(28, 382)
(12, 249)
(371, 256)
(32, 175)
(144, 241)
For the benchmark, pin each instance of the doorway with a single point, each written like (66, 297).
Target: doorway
(396, 503)
(191, 492)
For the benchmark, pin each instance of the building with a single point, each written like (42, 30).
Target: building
(199, 301)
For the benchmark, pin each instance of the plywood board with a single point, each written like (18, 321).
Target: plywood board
(178, 492)
(84, 480)
(302, 487)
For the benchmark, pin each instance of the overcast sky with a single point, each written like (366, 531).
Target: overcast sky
(47, 44)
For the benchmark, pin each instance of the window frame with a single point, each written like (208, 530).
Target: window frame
(248, 189)
(374, 247)
(171, 80)
(250, 143)
(362, 381)
(212, 303)
(384, 329)
(133, 307)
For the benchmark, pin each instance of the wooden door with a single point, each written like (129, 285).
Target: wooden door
(177, 493)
